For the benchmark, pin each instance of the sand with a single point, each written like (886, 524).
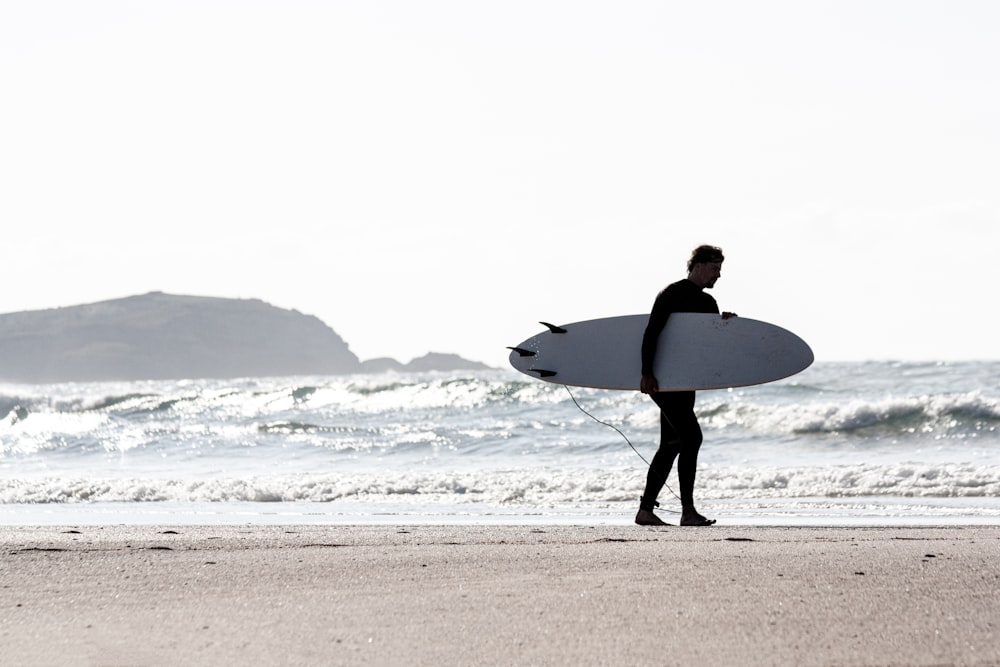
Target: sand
(499, 595)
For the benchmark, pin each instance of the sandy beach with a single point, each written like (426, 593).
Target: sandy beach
(499, 595)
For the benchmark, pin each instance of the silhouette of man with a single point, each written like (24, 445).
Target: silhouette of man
(680, 433)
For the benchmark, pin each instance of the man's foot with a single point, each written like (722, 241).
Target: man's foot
(647, 518)
(690, 517)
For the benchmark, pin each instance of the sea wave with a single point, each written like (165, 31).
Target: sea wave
(487, 414)
(533, 486)
(943, 416)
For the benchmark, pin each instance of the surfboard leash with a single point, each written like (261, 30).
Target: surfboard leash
(625, 437)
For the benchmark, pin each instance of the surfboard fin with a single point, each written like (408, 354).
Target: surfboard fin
(542, 373)
(553, 328)
(523, 352)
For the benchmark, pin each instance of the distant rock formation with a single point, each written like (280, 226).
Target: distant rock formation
(434, 361)
(437, 361)
(159, 336)
(382, 365)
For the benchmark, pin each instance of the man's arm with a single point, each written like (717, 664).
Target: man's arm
(657, 320)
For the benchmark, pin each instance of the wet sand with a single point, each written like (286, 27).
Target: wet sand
(499, 595)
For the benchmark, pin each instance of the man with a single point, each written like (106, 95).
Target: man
(680, 433)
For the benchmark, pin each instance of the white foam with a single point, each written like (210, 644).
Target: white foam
(528, 485)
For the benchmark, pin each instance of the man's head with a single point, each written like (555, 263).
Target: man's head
(705, 265)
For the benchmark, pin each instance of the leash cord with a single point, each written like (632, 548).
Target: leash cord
(637, 453)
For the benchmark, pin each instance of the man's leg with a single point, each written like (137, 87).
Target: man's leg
(671, 405)
(689, 433)
(686, 423)
(659, 470)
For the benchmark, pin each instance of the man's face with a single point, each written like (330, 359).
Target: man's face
(704, 274)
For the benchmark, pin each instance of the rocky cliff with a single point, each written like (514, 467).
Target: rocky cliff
(160, 336)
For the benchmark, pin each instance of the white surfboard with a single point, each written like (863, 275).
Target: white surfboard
(695, 351)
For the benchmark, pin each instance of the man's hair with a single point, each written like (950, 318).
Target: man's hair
(705, 253)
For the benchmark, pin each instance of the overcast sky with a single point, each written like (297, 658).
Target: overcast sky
(440, 176)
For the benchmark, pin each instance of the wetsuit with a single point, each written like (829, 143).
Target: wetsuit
(680, 433)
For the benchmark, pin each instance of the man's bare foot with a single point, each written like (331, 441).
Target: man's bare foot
(647, 518)
(690, 517)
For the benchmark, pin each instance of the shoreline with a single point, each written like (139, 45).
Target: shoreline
(536, 594)
(807, 512)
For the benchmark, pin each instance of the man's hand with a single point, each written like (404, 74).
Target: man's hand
(649, 385)
(728, 315)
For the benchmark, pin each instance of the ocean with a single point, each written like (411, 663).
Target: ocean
(873, 443)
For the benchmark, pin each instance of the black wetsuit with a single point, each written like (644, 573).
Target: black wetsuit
(680, 433)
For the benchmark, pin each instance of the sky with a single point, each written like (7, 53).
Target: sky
(440, 176)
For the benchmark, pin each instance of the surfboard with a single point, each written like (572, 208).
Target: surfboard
(695, 351)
